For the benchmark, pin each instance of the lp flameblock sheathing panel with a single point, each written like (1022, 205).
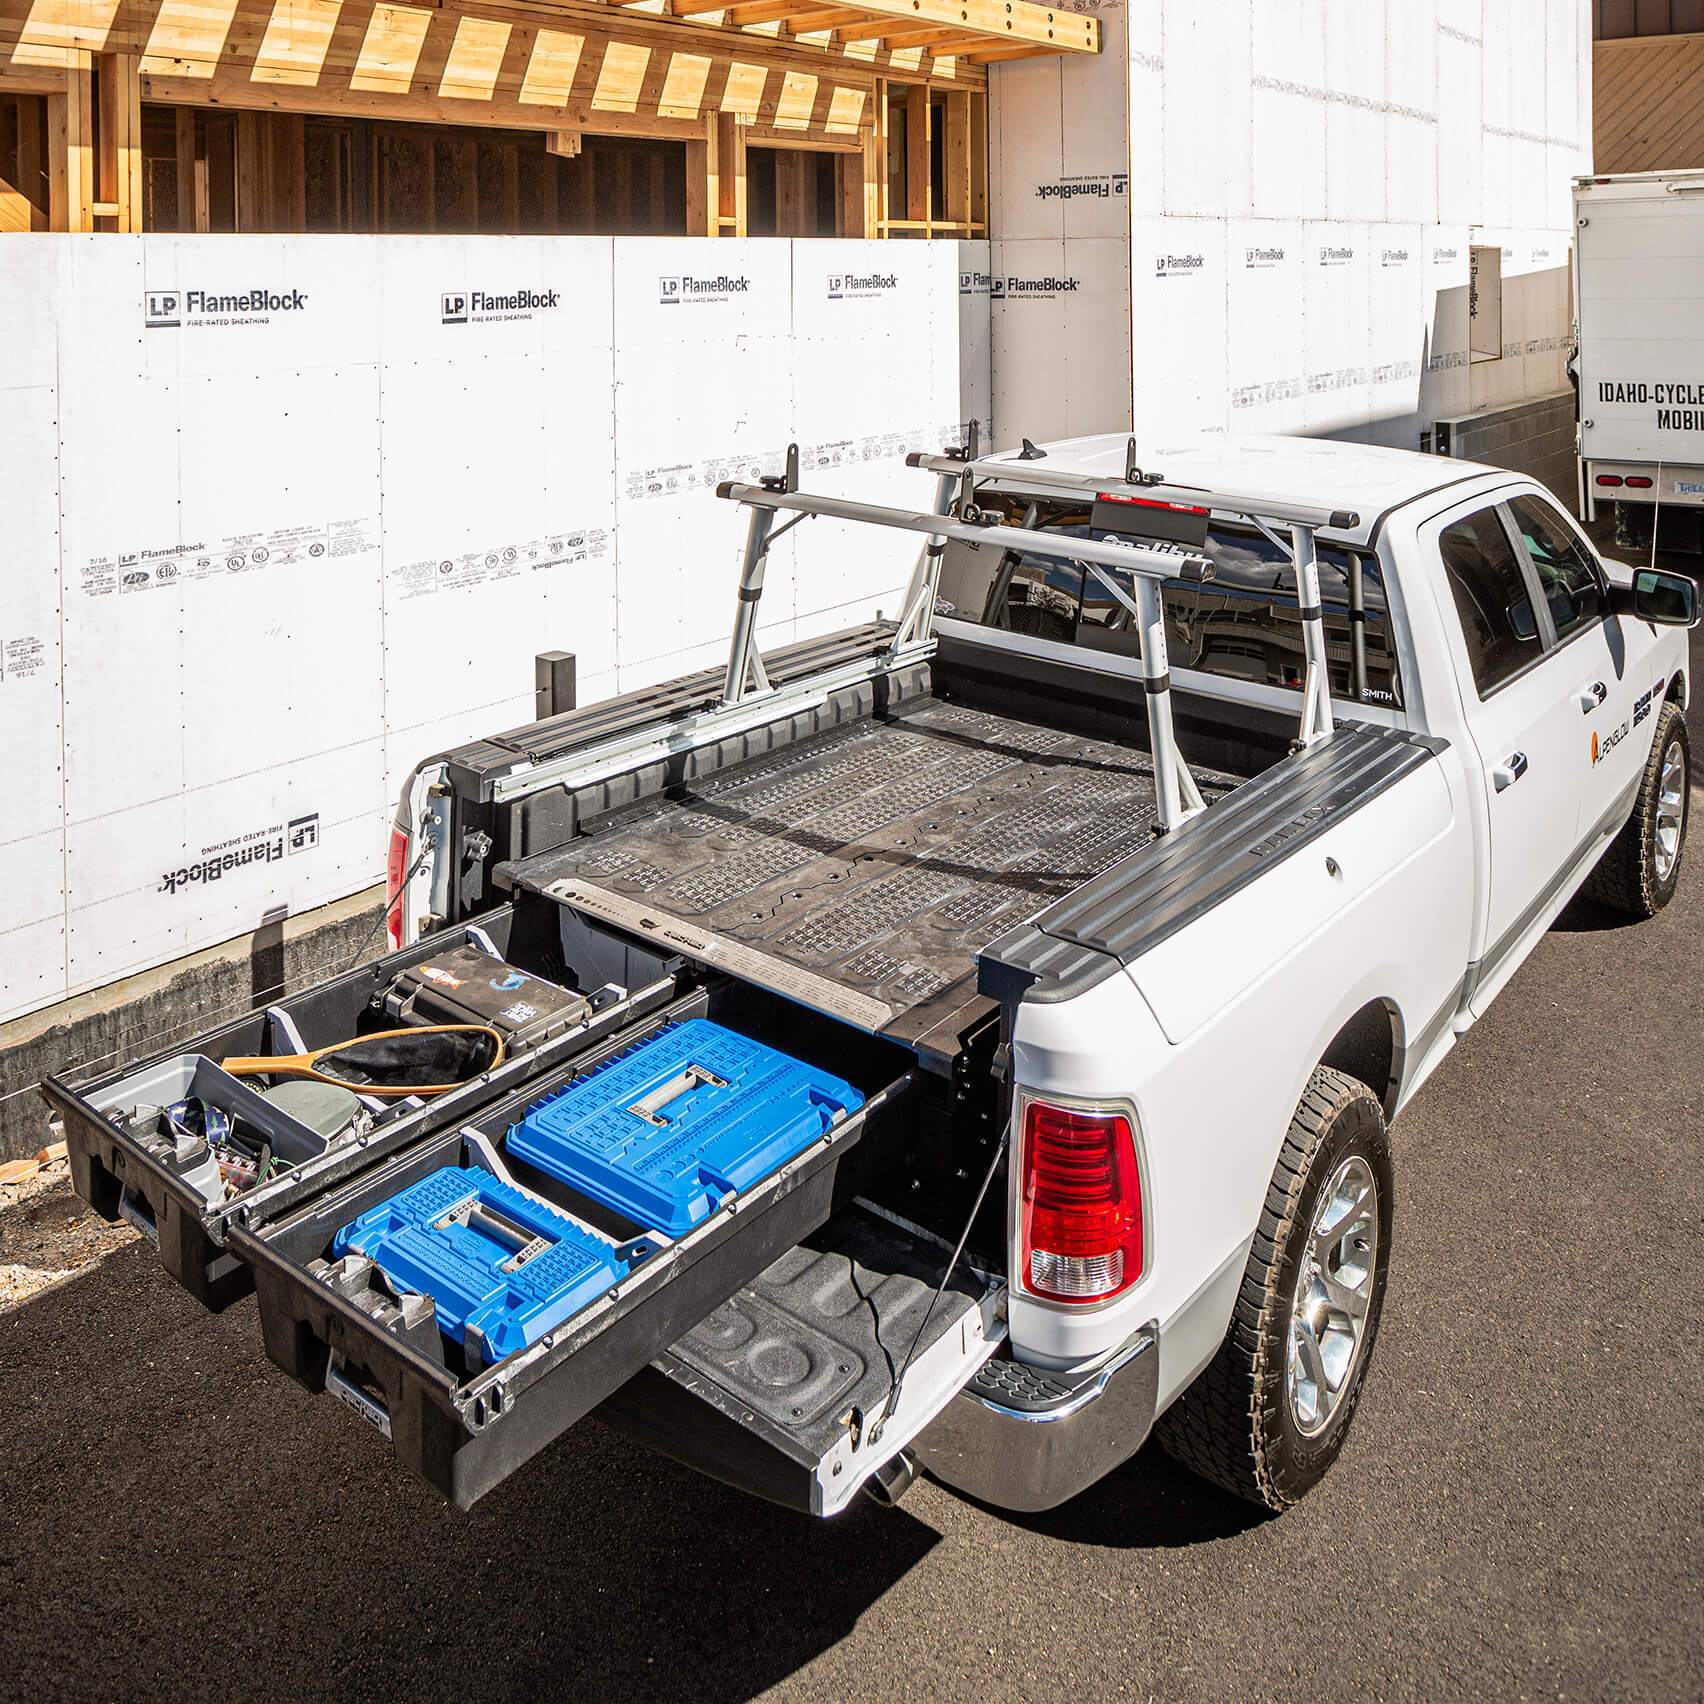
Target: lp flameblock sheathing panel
(662, 1132)
(500, 1265)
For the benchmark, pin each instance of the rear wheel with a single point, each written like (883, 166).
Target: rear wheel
(1640, 869)
(1270, 1413)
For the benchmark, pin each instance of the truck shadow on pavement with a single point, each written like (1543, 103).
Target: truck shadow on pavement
(184, 1521)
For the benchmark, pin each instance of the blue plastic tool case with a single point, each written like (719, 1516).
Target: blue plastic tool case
(660, 1133)
(499, 1264)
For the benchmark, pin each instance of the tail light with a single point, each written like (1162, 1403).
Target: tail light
(1080, 1203)
(1640, 481)
(396, 865)
(1609, 479)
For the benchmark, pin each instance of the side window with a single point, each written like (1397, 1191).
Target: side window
(1566, 575)
(1491, 598)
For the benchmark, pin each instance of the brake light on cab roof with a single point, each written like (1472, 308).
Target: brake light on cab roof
(1153, 503)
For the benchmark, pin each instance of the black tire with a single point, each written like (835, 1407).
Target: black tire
(1626, 877)
(1237, 1424)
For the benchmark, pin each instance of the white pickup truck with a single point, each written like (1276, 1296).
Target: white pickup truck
(1134, 880)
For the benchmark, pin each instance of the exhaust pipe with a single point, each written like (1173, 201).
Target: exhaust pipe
(891, 1480)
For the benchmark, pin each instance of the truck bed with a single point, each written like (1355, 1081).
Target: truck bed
(861, 870)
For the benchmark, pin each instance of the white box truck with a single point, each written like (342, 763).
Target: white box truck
(1639, 315)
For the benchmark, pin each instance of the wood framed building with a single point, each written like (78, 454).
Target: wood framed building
(772, 117)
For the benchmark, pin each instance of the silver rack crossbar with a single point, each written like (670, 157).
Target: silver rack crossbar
(1028, 476)
(1177, 797)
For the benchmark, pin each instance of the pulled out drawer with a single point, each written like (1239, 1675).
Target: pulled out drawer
(458, 1410)
(132, 1158)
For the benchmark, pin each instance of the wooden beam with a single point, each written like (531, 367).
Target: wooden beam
(564, 144)
(999, 20)
(827, 18)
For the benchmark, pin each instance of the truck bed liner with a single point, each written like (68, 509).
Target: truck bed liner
(861, 870)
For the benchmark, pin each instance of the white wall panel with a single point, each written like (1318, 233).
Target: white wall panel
(1355, 111)
(1336, 329)
(1444, 383)
(1396, 332)
(298, 543)
(1265, 271)
(702, 341)
(32, 921)
(1180, 336)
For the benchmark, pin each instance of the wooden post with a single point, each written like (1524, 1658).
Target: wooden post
(955, 159)
(978, 161)
(731, 175)
(917, 107)
(71, 147)
(187, 201)
(790, 193)
(849, 195)
(29, 151)
(251, 214)
(703, 191)
(119, 171)
(289, 172)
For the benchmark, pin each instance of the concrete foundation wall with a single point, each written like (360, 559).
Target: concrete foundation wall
(88, 1037)
(1535, 438)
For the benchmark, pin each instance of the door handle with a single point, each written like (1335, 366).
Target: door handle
(1505, 775)
(1591, 696)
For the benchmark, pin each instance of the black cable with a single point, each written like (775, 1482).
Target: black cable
(390, 906)
(940, 1290)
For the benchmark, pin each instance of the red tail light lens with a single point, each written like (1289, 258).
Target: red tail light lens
(1640, 481)
(396, 863)
(1609, 479)
(1080, 1205)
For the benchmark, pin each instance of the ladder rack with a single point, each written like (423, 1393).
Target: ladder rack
(1148, 563)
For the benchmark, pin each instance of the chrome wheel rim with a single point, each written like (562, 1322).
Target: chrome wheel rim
(1671, 811)
(1334, 1285)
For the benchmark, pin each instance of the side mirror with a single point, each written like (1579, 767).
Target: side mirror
(1669, 600)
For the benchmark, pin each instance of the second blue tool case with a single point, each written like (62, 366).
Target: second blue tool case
(499, 1264)
(661, 1132)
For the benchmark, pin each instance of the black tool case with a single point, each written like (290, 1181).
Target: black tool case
(122, 1176)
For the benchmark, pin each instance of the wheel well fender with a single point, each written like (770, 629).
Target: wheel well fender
(1370, 1045)
(1676, 693)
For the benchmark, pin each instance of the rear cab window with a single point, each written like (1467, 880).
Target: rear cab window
(1244, 624)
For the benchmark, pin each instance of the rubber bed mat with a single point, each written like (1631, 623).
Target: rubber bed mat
(874, 860)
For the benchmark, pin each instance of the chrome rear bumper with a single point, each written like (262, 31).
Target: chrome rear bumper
(1022, 1437)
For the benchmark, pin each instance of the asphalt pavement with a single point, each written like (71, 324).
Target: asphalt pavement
(1516, 1514)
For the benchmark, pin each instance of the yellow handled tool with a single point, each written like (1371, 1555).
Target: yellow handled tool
(428, 1060)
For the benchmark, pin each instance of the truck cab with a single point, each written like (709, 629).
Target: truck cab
(1122, 892)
